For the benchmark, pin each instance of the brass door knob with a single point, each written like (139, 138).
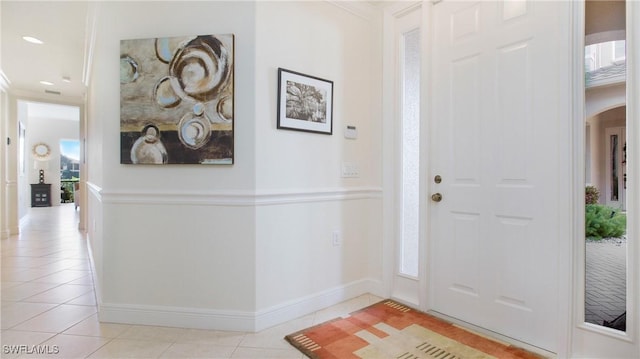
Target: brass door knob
(436, 197)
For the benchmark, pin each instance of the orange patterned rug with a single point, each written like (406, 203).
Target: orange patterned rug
(391, 330)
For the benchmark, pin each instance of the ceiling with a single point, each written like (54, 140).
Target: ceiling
(62, 27)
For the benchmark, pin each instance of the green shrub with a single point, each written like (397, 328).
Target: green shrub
(591, 195)
(604, 222)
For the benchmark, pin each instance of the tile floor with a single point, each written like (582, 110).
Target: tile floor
(48, 305)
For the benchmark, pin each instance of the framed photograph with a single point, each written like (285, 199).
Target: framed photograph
(305, 103)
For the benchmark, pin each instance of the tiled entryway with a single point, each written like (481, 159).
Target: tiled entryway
(48, 305)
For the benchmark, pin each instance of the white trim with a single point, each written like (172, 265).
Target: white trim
(89, 41)
(575, 309)
(234, 320)
(426, 107)
(237, 198)
(196, 318)
(590, 340)
(571, 282)
(4, 81)
(362, 10)
(95, 190)
(296, 308)
(97, 283)
(633, 172)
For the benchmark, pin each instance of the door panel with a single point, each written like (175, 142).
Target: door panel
(496, 120)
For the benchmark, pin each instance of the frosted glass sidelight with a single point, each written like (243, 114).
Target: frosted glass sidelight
(410, 77)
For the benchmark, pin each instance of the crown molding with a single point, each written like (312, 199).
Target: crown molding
(4, 81)
(361, 9)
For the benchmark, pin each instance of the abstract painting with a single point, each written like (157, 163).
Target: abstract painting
(176, 100)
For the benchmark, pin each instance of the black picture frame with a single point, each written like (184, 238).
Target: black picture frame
(305, 103)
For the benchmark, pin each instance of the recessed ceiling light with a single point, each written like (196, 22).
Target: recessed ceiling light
(66, 79)
(46, 83)
(32, 40)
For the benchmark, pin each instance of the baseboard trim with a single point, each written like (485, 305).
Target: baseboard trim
(196, 318)
(284, 312)
(233, 320)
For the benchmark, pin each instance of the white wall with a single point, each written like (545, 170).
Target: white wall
(49, 131)
(177, 237)
(4, 158)
(249, 245)
(303, 198)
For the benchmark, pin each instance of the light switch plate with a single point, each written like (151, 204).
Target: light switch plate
(350, 170)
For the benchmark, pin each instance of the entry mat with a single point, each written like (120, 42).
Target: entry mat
(389, 330)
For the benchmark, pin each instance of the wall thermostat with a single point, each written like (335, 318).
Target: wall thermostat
(350, 132)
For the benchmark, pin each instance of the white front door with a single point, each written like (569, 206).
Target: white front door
(615, 173)
(500, 75)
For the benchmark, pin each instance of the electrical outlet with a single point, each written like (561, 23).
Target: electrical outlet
(350, 170)
(335, 239)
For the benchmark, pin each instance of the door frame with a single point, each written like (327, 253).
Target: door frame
(589, 340)
(409, 290)
(575, 337)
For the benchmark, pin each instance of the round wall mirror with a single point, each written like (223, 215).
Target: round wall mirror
(41, 151)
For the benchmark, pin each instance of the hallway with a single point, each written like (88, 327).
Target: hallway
(49, 306)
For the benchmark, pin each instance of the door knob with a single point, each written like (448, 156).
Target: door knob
(436, 197)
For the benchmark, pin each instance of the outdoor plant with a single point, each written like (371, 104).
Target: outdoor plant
(604, 222)
(591, 195)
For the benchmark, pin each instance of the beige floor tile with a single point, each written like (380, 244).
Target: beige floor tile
(60, 294)
(266, 339)
(127, 348)
(27, 262)
(148, 332)
(7, 285)
(25, 275)
(57, 319)
(262, 353)
(69, 347)
(67, 254)
(92, 327)
(196, 351)
(86, 280)
(13, 340)
(72, 264)
(88, 298)
(26, 290)
(222, 338)
(19, 312)
(64, 276)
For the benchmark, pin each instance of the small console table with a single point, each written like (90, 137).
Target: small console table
(41, 195)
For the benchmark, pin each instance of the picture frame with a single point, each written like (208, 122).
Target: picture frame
(305, 103)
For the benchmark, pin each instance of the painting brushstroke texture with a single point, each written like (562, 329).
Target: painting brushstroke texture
(176, 100)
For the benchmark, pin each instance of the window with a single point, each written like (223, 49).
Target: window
(410, 101)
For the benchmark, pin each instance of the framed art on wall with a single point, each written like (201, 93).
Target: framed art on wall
(305, 103)
(176, 100)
